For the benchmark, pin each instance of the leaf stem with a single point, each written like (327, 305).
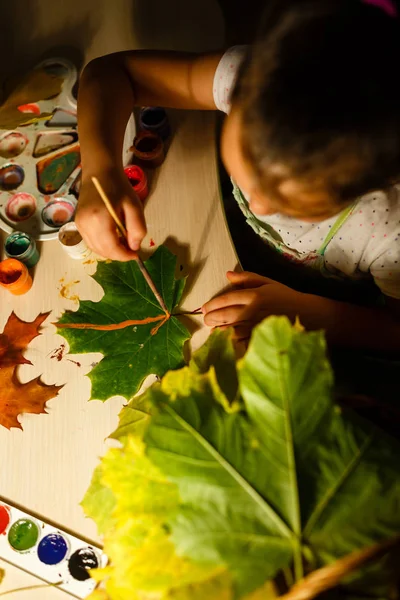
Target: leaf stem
(187, 312)
(291, 460)
(288, 577)
(298, 562)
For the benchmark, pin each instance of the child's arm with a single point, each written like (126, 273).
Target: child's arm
(109, 89)
(345, 324)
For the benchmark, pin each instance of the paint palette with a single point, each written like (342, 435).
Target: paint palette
(48, 553)
(40, 167)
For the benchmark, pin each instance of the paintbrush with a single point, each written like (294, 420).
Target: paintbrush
(122, 230)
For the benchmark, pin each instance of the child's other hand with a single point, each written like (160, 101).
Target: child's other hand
(257, 298)
(97, 226)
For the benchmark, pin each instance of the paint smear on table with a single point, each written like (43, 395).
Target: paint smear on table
(75, 362)
(66, 291)
(58, 353)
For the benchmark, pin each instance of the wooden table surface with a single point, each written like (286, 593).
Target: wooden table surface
(47, 467)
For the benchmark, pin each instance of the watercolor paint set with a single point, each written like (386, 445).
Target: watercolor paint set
(40, 164)
(49, 553)
(40, 161)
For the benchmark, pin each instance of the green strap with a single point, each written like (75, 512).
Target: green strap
(336, 226)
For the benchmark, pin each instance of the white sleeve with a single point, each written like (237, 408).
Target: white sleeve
(386, 268)
(225, 77)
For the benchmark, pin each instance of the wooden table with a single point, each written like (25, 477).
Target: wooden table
(47, 467)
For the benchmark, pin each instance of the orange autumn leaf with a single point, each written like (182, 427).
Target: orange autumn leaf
(15, 338)
(17, 398)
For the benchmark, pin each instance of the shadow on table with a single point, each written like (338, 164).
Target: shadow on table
(26, 37)
(186, 267)
(178, 25)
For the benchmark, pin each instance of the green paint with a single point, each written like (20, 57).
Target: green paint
(21, 246)
(18, 246)
(23, 535)
(52, 173)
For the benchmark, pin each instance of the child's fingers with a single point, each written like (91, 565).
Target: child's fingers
(134, 221)
(104, 240)
(224, 316)
(247, 279)
(235, 298)
(112, 247)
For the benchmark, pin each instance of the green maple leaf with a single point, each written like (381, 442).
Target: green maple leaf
(268, 478)
(131, 350)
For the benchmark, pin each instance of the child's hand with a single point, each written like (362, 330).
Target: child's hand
(97, 226)
(257, 298)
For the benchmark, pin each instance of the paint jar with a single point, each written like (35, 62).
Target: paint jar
(155, 119)
(138, 180)
(23, 247)
(148, 150)
(72, 241)
(14, 276)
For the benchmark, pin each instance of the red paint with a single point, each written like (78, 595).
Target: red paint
(138, 181)
(152, 243)
(32, 108)
(4, 518)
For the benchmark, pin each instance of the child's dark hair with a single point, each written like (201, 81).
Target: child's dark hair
(318, 94)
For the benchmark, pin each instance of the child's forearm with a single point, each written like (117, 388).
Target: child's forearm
(350, 325)
(112, 85)
(106, 100)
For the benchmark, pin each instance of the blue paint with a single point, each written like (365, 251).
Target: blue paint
(52, 549)
(155, 119)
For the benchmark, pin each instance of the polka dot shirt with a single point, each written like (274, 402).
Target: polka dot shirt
(368, 243)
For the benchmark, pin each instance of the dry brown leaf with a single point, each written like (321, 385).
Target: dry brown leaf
(17, 398)
(15, 338)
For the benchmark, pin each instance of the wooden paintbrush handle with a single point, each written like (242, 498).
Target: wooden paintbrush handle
(124, 233)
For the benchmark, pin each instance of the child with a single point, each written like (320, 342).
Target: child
(312, 142)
